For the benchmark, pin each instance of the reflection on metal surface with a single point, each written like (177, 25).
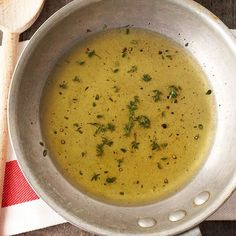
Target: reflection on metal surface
(201, 198)
(146, 222)
(177, 215)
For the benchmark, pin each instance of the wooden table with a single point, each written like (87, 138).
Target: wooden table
(226, 11)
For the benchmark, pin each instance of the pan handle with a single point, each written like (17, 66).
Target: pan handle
(193, 232)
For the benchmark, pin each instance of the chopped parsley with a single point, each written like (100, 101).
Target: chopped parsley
(174, 92)
(155, 146)
(157, 95)
(101, 128)
(146, 78)
(128, 127)
(111, 180)
(144, 122)
(127, 31)
(91, 53)
(95, 177)
(100, 146)
(132, 107)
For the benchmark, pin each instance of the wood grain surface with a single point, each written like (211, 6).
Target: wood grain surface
(226, 11)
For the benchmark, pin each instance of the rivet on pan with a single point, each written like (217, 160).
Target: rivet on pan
(177, 215)
(201, 198)
(147, 222)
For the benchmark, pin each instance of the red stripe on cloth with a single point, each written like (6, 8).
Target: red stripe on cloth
(16, 188)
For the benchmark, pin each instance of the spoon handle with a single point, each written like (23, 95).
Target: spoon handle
(9, 58)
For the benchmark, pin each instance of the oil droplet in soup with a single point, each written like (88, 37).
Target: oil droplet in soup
(127, 116)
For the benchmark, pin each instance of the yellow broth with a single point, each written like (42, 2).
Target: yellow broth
(127, 116)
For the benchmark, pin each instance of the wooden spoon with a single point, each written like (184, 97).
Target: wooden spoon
(15, 17)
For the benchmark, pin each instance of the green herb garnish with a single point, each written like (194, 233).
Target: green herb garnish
(146, 78)
(155, 146)
(157, 95)
(132, 107)
(95, 177)
(91, 53)
(144, 122)
(111, 180)
(127, 31)
(97, 97)
(174, 92)
(128, 127)
(101, 128)
(100, 146)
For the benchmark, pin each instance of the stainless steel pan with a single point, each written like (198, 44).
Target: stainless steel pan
(210, 42)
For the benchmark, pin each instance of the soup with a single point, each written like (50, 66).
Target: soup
(127, 116)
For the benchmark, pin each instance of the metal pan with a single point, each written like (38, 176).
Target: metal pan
(213, 46)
